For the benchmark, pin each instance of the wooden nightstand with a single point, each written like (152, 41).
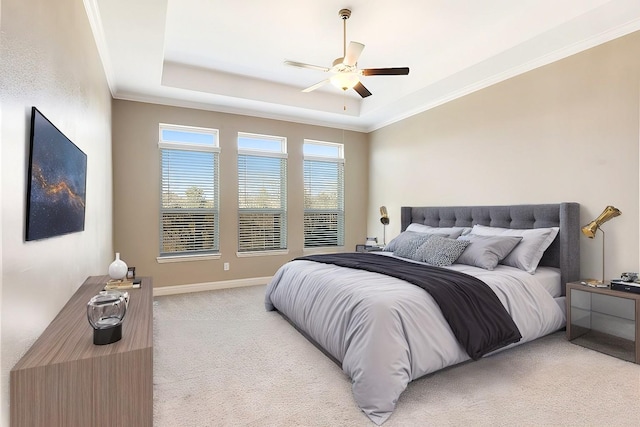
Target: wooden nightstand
(604, 320)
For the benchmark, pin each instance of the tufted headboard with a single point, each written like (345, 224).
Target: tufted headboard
(563, 253)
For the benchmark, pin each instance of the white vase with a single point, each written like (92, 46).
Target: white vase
(118, 268)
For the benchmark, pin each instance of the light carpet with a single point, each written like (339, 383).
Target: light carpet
(220, 359)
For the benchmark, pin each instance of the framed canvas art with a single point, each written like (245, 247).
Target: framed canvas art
(56, 184)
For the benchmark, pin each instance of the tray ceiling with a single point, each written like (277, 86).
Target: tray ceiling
(228, 56)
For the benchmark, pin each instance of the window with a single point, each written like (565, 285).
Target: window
(262, 193)
(189, 203)
(323, 194)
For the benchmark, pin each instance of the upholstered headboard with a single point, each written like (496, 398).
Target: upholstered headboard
(563, 253)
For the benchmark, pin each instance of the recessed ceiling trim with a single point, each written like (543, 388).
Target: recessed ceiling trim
(311, 117)
(95, 22)
(237, 86)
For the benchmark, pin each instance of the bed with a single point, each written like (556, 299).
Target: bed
(385, 330)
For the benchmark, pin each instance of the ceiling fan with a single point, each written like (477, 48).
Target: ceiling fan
(346, 74)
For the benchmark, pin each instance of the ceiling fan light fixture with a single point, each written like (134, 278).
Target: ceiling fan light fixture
(345, 81)
(345, 71)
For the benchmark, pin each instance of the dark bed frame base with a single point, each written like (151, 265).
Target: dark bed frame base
(311, 340)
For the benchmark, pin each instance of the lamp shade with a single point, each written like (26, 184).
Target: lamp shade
(384, 217)
(590, 229)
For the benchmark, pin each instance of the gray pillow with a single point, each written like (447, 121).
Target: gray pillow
(451, 232)
(398, 240)
(528, 253)
(441, 251)
(409, 245)
(487, 251)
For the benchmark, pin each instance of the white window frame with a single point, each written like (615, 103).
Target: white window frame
(280, 154)
(339, 159)
(214, 253)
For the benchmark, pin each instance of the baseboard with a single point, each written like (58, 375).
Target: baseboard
(210, 286)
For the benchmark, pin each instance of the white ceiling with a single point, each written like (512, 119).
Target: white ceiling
(228, 55)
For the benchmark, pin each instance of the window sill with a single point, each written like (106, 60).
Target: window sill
(261, 253)
(186, 258)
(323, 250)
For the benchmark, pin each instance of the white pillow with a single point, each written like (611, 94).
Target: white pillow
(452, 232)
(528, 253)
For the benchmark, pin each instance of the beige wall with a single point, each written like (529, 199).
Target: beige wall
(564, 132)
(137, 190)
(48, 59)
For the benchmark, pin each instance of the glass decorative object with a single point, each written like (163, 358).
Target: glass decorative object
(118, 268)
(105, 313)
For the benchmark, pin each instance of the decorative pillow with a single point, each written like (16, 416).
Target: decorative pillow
(451, 232)
(409, 245)
(486, 251)
(399, 239)
(441, 251)
(528, 253)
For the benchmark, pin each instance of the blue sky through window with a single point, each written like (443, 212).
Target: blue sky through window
(261, 144)
(171, 135)
(321, 150)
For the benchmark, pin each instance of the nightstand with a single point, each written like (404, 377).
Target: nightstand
(365, 248)
(604, 320)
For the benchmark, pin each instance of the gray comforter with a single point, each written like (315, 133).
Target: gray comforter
(386, 332)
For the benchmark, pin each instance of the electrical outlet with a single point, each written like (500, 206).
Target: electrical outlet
(226, 266)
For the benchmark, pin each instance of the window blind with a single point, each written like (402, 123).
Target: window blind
(262, 200)
(189, 203)
(323, 203)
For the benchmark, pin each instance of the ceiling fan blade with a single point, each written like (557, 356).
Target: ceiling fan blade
(303, 65)
(353, 53)
(362, 91)
(399, 71)
(316, 86)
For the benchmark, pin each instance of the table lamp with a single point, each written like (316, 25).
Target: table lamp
(105, 313)
(590, 230)
(384, 219)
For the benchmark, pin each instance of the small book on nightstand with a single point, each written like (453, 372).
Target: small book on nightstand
(595, 283)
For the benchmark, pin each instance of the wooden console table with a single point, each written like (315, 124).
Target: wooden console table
(66, 380)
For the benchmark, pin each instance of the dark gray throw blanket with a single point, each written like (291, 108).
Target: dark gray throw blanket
(476, 316)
